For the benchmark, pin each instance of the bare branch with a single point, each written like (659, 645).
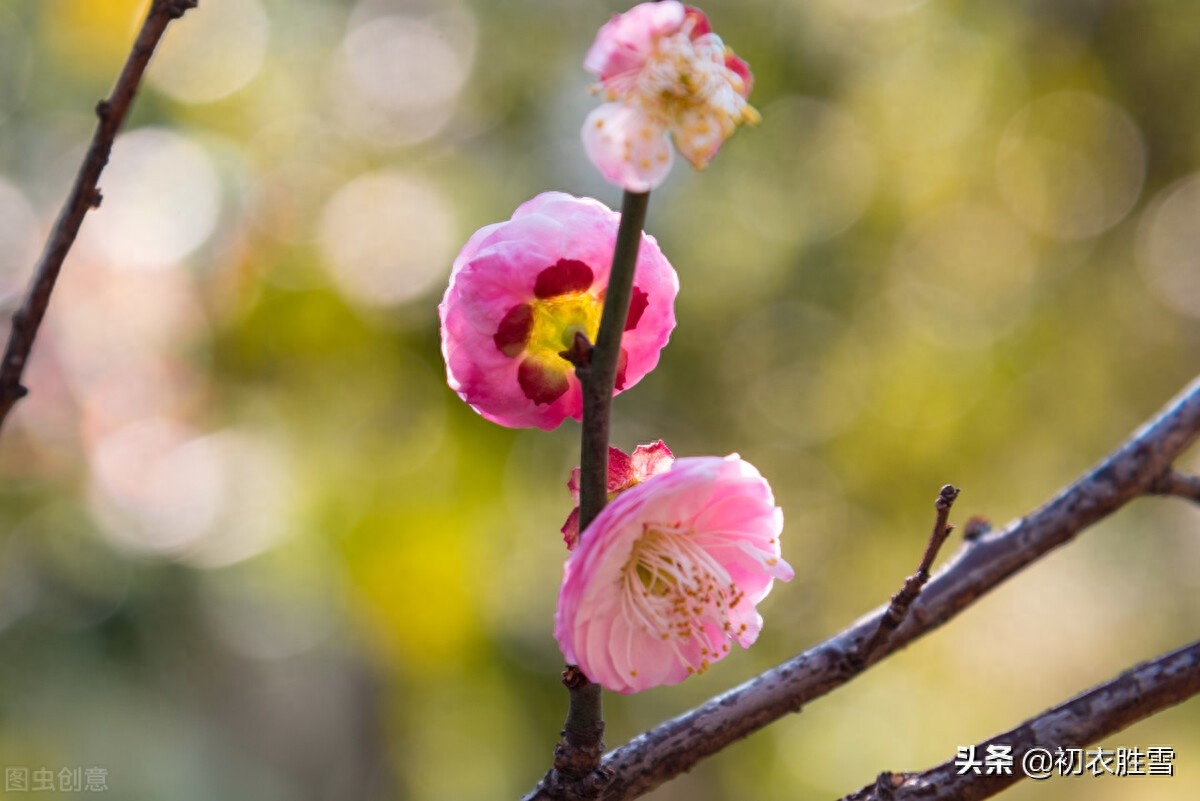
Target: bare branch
(982, 563)
(898, 609)
(1173, 482)
(1136, 694)
(84, 196)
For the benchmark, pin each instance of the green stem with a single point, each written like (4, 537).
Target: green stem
(582, 746)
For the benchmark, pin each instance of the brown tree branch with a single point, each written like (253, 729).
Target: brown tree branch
(982, 563)
(1174, 482)
(576, 772)
(1136, 694)
(901, 602)
(84, 196)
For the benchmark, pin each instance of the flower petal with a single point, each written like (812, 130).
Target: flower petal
(541, 381)
(620, 470)
(573, 485)
(624, 42)
(622, 366)
(565, 276)
(739, 68)
(651, 459)
(570, 529)
(637, 307)
(514, 328)
(629, 148)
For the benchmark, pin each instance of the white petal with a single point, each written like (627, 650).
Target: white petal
(629, 148)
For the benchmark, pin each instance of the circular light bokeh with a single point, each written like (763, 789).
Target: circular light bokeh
(398, 78)
(1169, 246)
(1071, 164)
(215, 54)
(161, 200)
(387, 237)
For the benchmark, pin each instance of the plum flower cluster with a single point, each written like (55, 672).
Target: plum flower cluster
(666, 76)
(671, 571)
(520, 290)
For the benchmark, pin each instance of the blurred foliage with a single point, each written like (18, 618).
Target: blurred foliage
(252, 547)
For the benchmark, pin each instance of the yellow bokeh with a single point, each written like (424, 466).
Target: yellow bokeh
(414, 588)
(92, 36)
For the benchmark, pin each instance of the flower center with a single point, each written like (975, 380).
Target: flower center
(690, 87)
(676, 78)
(557, 319)
(542, 330)
(673, 588)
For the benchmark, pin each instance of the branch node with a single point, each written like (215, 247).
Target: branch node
(577, 773)
(585, 788)
(902, 601)
(580, 353)
(885, 785)
(177, 8)
(976, 527)
(573, 678)
(103, 110)
(1177, 483)
(13, 393)
(946, 497)
(578, 755)
(95, 199)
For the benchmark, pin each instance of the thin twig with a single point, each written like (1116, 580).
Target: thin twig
(1104, 710)
(1179, 484)
(84, 196)
(980, 565)
(576, 772)
(898, 609)
(598, 373)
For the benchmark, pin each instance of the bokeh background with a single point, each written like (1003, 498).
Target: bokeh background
(252, 547)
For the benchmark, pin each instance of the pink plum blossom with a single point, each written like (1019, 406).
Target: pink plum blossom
(669, 573)
(625, 471)
(666, 75)
(520, 290)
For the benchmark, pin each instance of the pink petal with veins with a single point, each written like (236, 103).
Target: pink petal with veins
(670, 574)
